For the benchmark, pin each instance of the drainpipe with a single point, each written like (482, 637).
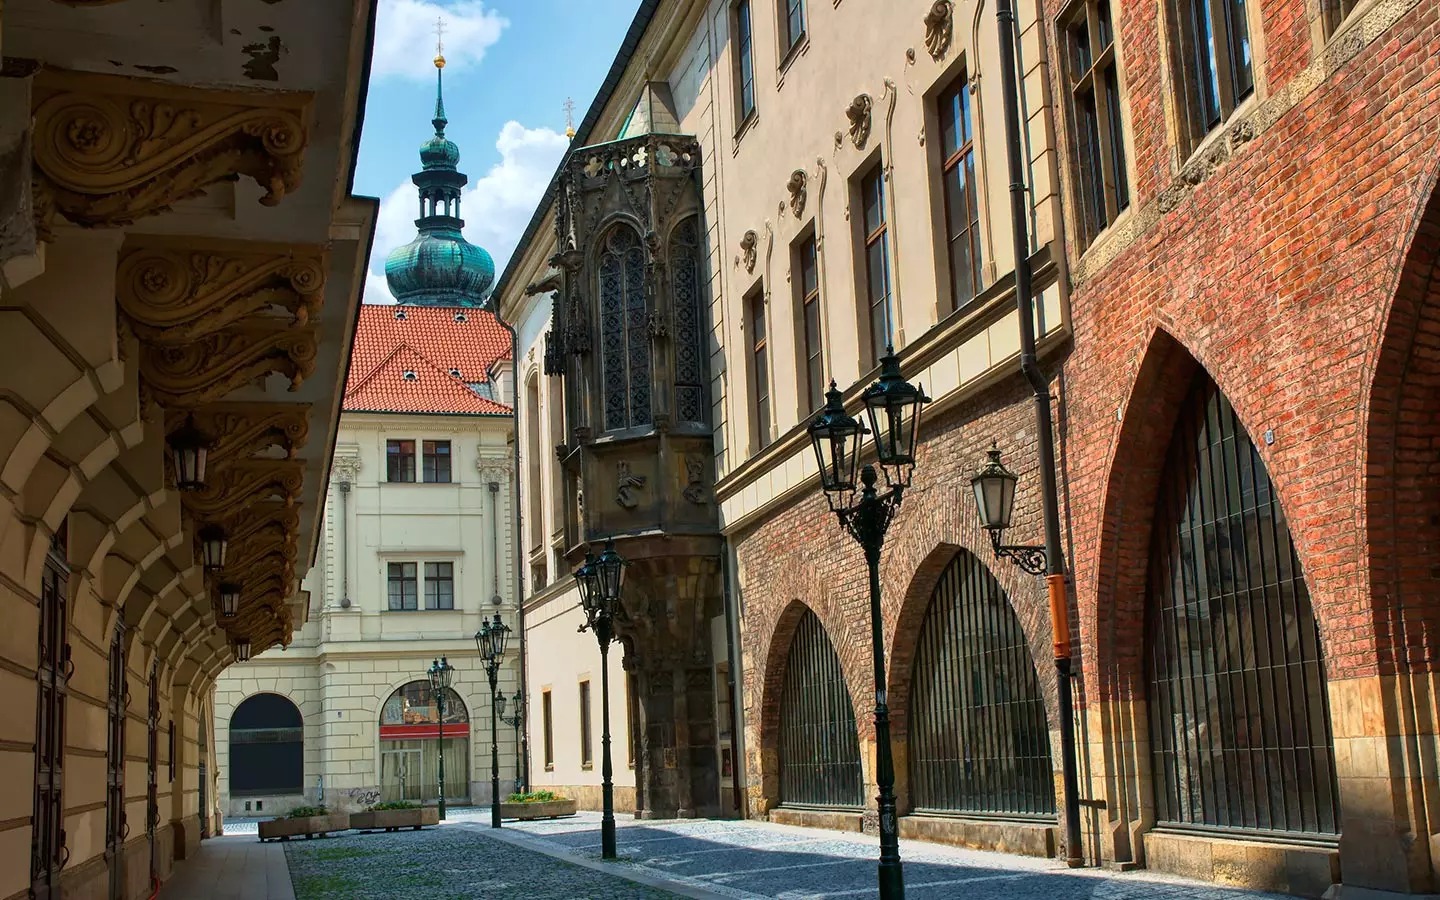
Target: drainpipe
(733, 673)
(516, 519)
(1025, 303)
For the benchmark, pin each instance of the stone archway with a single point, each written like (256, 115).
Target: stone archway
(267, 753)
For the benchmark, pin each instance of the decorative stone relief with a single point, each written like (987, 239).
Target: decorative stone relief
(248, 481)
(494, 469)
(110, 150)
(939, 28)
(242, 430)
(858, 112)
(627, 484)
(695, 490)
(190, 375)
(345, 469)
(797, 186)
(748, 250)
(178, 291)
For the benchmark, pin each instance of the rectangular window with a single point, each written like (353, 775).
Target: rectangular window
(400, 461)
(962, 209)
(404, 591)
(1098, 133)
(876, 292)
(759, 368)
(792, 24)
(744, 63)
(812, 360)
(1336, 11)
(547, 722)
(587, 757)
(1212, 59)
(439, 585)
(437, 462)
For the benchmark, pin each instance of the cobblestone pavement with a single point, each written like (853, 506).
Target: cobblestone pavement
(759, 861)
(447, 863)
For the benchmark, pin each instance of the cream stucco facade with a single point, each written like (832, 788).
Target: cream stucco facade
(356, 652)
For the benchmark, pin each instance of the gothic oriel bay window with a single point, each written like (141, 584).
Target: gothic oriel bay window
(819, 746)
(410, 739)
(1239, 718)
(624, 330)
(979, 741)
(687, 297)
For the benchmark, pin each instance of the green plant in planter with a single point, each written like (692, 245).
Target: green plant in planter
(394, 804)
(535, 797)
(304, 812)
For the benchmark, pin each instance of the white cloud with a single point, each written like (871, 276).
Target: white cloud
(405, 36)
(496, 207)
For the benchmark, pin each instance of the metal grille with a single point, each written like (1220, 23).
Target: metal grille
(624, 331)
(1239, 721)
(819, 746)
(116, 827)
(47, 836)
(689, 335)
(979, 742)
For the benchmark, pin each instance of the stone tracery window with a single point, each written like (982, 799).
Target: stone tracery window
(687, 293)
(624, 330)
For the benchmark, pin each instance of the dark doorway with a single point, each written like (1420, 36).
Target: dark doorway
(267, 747)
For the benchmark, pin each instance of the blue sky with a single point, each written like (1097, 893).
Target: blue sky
(510, 64)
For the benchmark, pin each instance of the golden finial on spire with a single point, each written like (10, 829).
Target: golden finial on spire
(440, 42)
(569, 118)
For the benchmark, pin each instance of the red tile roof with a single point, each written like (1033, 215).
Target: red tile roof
(428, 342)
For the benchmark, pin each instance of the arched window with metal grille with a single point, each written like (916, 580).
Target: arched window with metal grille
(978, 738)
(819, 746)
(1239, 719)
(624, 330)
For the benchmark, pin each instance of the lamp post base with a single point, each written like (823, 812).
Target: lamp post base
(892, 881)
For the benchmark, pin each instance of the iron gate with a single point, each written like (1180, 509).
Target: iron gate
(47, 839)
(116, 828)
(819, 745)
(152, 772)
(1239, 719)
(979, 741)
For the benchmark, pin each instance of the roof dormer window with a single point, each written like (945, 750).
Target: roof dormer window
(400, 314)
(455, 372)
(410, 375)
(461, 317)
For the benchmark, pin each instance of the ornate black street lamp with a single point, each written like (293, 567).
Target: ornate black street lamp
(441, 672)
(490, 641)
(229, 599)
(994, 489)
(893, 405)
(600, 582)
(190, 452)
(515, 720)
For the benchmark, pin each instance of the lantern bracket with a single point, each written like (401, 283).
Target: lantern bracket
(1029, 557)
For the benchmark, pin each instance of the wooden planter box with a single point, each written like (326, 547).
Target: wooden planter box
(308, 827)
(395, 819)
(550, 809)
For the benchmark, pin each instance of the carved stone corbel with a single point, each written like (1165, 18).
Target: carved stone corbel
(109, 150)
(175, 291)
(797, 186)
(191, 375)
(858, 112)
(245, 482)
(748, 250)
(939, 28)
(242, 430)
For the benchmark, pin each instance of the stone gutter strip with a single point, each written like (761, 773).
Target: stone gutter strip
(628, 871)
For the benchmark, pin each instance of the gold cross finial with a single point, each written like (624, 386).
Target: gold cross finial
(569, 117)
(439, 42)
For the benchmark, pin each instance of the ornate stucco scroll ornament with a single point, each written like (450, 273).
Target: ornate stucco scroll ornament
(627, 486)
(799, 191)
(110, 150)
(194, 374)
(243, 430)
(178, 291)
(749, 252)
(939, 28)
(251, 481)
(858, 112)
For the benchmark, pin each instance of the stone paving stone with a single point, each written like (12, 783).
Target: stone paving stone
(759, 861)
(446, 863)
